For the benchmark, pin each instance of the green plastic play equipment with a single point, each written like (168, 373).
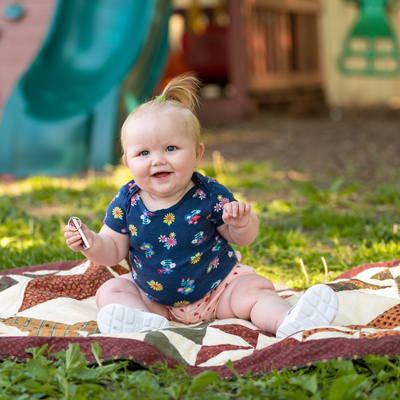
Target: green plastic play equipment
(62, 116)
(379, 53)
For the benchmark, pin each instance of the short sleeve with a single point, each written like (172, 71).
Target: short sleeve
(220, 195)
(115, 217)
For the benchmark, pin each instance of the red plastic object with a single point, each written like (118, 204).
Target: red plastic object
(207, 54)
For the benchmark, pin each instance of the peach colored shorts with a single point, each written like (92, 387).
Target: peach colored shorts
(206, 308)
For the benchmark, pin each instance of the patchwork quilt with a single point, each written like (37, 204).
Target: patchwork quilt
(54, 304)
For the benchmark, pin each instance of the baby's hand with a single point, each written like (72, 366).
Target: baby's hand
(74, 240)
(236, 214)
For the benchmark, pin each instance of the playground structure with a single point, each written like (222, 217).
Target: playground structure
(359, 51)
(61, 117)
(100, 59)
(268, 52)
(299, 51)
(371, 46)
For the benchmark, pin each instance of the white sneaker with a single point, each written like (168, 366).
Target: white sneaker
(317, 307)
(118, 318)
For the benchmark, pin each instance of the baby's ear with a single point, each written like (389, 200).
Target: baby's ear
(124, 160)
(199, 153)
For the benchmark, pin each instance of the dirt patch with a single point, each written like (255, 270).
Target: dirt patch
(364, 146)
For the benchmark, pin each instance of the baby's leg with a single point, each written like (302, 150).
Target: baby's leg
(123, 290)
(125, 308)
(253, 297)
(120, 290)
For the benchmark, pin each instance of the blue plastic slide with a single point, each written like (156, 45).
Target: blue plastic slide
(62, 116)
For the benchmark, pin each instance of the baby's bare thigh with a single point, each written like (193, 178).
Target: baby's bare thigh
(125, 283)
(240, 296)
(122, 284)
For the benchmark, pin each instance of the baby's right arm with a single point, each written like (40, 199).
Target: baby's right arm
(106, 247)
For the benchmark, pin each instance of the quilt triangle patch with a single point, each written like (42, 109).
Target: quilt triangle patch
(249, 335)
(6, 282)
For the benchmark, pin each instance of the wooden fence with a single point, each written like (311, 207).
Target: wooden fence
(281, 44)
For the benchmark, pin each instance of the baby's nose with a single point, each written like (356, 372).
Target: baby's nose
(158, 159)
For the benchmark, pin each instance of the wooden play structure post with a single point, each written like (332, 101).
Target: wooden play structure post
(234, 108)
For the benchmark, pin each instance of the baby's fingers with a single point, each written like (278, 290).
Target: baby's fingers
(246, 209)
(241, 212)
(73, 240)
(240, 209)
(227, 212)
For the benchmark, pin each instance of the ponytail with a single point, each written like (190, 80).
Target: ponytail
(184, 88)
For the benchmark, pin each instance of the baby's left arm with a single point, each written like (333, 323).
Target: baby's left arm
(241, 224)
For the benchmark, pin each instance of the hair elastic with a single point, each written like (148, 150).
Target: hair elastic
(161, 98)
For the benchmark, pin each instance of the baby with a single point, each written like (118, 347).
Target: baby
(177, 226)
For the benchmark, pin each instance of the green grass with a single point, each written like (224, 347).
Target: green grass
(69, 377)
(348, 223)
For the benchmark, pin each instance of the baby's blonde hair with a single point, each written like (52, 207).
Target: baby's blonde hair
(182, 95)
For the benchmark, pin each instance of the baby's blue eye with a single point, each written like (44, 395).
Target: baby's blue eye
(170, 148)
(144, 153)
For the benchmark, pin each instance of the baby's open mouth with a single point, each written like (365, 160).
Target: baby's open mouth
(160, 175)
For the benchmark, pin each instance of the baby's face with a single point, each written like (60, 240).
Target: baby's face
(161, 154)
